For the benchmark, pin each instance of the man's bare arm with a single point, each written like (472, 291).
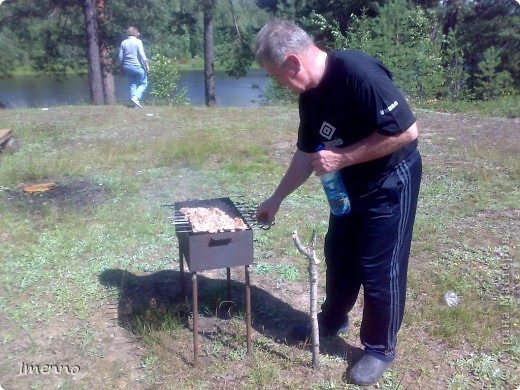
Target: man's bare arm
(370, 148)
(297, 173)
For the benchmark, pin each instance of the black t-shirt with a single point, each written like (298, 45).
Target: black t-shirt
(355, 97)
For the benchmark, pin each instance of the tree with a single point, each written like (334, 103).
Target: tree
(235, 50)
(400, 36)
(163, 81)
(47, 31)
(434, 48)
(450, 14)
(455, 76)
(51, 35)
(105, 57)
(485, 23)
(340, 12)
(490, 81)
(94, 69)
(343, 11)
(8, 44)
(61, 35)
(209, 52)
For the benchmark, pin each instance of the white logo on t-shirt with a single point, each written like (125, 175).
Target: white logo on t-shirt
(389, 108)
(327, 130)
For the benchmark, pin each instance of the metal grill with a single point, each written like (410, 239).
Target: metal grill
(244, 210)
(223, 249)
(227, 248)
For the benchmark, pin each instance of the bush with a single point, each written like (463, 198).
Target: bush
(163, 80)
(276, 94)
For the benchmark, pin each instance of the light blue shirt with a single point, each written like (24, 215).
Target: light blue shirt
(131, 52)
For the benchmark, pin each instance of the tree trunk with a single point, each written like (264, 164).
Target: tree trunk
(109, 87)
(104, 56)
(452, 8)
(94, 70)
(209, 53)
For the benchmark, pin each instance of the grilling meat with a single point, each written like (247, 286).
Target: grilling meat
(214, 218)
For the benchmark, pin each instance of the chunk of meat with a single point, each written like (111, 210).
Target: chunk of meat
(214, 218)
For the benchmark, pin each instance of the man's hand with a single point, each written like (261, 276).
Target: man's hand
(299, 170)
(326, 161)
(267, 210)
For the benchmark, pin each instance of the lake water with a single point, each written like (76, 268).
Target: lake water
(40, 91)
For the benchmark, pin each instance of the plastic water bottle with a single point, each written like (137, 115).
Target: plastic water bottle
(335, 190)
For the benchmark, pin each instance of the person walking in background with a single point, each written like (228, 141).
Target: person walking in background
(349, 104)
(134, 64)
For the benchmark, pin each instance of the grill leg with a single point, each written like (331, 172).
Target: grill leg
(195, 320)
(228, 284)
(248, 309)
(181, 265)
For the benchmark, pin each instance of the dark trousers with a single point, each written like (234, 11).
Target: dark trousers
(369, 247)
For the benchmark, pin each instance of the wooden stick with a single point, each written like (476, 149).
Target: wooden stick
(310, 253)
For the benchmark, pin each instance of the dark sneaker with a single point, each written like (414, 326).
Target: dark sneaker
(368, 370)
(303, 332)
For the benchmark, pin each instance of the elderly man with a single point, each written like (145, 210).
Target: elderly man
(349, 104)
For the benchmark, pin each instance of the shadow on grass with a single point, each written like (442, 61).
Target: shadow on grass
(152, 300)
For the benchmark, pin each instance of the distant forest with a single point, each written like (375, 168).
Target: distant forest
(451, 49)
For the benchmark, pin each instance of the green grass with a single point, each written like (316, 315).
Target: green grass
(508, 107)
(103, 257)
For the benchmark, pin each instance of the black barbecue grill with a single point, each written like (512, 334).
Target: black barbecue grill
(222, 249)
(205, 251)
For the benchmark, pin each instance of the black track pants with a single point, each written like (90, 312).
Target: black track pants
(369, 247)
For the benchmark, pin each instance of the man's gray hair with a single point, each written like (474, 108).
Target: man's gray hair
(277, 39)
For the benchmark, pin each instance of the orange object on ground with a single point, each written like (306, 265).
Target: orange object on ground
(42, 187)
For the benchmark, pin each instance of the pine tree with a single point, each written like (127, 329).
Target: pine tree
(455, 76)
(491, 82)
(400, 36)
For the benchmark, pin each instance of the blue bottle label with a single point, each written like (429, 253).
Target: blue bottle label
(336, 193)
